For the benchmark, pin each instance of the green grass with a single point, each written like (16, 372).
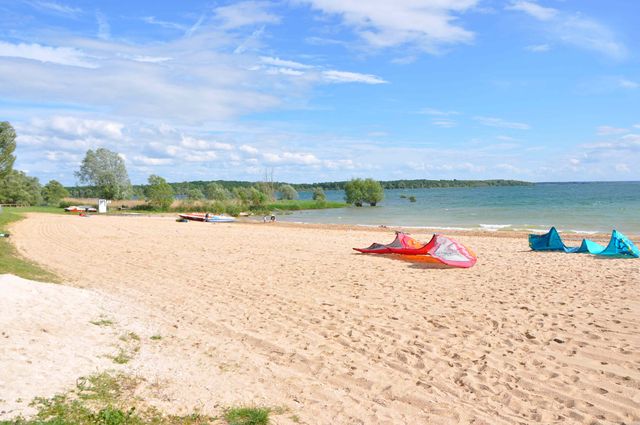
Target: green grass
(10, 261)
(296, 205)
(247, 416)
(102, 322)
(103, 399)
(156, 337)
(109, 398)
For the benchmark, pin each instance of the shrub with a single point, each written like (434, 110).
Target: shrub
(288, 192)
(319, 195)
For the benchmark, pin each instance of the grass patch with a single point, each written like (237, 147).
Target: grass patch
(129, 348)
(102, 322)
(10, 261)
(103, 399)
(247, 416)
(156, 337)
(309, 204)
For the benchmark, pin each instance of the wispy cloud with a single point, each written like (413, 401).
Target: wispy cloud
(56, 8)
(628, 84)
(165, 24)
(574, 29)
(534, 9)
(500, 123)
(384, 24)
(437, 112)
(538, 48)
(284, 63)
(246, 13)
(605, 130)
(56, 55)
(334, 76)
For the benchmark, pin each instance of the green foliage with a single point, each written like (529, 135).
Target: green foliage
(159, 193)
(247, 416)
(11, 261)
(359, 191)
(412, 199)
(373, 192)
(216, 192)
(103, 399)
(7, 146)
(233, 210)
(53, 192)
(354, 193)
(318, 194)
(287, 192)
(18, 188)
(106, 171)
(417, 184)
(194, 195)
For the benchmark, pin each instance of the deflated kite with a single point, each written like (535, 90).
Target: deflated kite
(440, 249)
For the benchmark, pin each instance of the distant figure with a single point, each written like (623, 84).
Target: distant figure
(265, 218)
(273, 218)
(206, 217)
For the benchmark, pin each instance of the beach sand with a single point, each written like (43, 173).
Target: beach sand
(290, 316)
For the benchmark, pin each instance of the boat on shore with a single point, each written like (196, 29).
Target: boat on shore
(209, 218)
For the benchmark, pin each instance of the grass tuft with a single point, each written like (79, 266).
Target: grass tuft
(102, 322)
(247, 416)
(156, 337)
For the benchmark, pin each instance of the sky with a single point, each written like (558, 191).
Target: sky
(325, 90)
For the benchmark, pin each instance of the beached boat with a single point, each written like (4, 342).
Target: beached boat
(80, 208)
(210, 218)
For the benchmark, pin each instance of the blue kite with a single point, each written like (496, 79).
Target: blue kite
(619, 245)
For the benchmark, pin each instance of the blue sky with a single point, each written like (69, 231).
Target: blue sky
(319, 90)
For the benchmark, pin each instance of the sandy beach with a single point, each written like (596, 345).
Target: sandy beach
(291, 316)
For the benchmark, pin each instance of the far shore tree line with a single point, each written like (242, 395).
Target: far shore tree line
(104, 175)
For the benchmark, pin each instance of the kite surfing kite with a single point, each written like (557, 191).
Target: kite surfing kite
(440, 249)
(619, 245)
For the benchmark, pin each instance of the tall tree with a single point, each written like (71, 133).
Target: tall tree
(288, 192)
(53, 192)
(159, 192)
(18, 188)
(7, 146)
(106, 171)
(354, 192)
(373, 191)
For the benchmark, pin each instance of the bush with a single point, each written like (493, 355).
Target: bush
(233, 210)
(288, 192)
(319, 195)
(412, 199)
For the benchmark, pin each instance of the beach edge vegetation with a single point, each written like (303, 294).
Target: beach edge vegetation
(12, 262)
(108, 398)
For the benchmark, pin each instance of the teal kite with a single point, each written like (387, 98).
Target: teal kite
(619, 245)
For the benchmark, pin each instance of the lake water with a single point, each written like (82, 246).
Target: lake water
(577, 207)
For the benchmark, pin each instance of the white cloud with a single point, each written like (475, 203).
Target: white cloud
(500, 123)
(539, 48)
(534, 9)
(57, 8)
(605, 130)
(351, 77)
(68, 126)
(574, 29)
(56, 55)
(200, 144)
(249, 149)
(437, 112)
(296, 158)
(284, 63)
(165, 24)
(426, 25)
(444, 123)
(145, 160)
(246, 13)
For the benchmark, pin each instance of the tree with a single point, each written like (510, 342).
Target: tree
(106, 171)
(288, 192)
(7, 146)
(18, 188)
(216, 192)
(53, 192)
(319, 195)
(354, 193)
(159, 192)
(195, 195)
(373, 191)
